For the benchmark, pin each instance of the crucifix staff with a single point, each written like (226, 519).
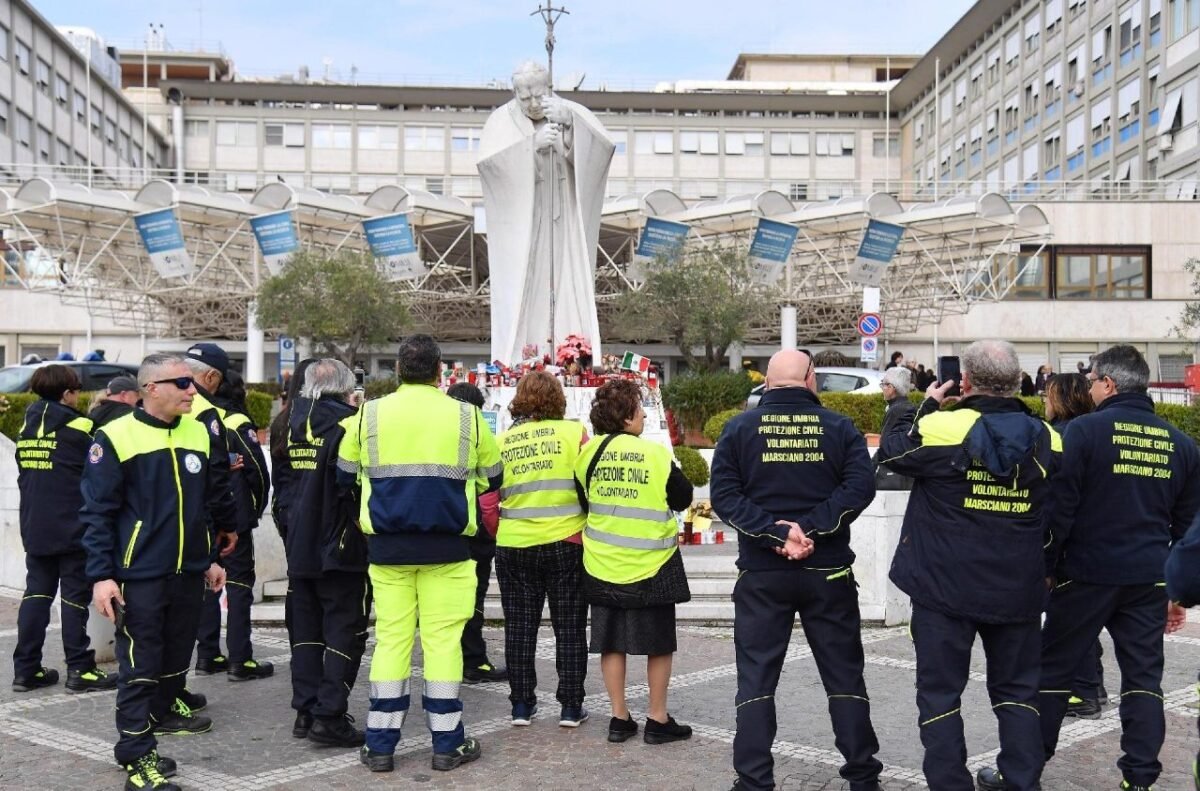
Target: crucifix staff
(550, 15)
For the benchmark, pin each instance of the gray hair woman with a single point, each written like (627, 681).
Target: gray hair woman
(898, 416)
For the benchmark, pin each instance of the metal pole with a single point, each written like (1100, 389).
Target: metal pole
(550, 15)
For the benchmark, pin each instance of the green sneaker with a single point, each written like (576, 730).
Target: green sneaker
(144, 774)
(1127, 786)
(468, 751)
(45, 677)
(90, 680)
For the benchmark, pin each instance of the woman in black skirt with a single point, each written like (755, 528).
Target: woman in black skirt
(634, 573)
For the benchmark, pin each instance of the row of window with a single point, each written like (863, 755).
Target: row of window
(53, 150)
(433, 138)
(1072, 272)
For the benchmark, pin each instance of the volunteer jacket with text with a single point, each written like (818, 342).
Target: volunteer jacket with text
(252, 483)
(1130, 485)
(791, 459)
(973, 535)
(323, 532)
(224, 512)
(147, 491)
(51, 450)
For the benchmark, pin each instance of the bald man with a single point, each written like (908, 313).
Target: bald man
(790, 476)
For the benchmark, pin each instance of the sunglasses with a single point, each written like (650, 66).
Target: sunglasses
(181, 382)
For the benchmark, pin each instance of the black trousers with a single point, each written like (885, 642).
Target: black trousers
(474, 648)
(327, 623)
(1089, 676)
(943, 645)
(239, 596)
(44, 575)
(765, 607)
(1135, 616)
(154, 650)
(528, 576)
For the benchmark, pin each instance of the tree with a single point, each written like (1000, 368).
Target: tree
(340, 302)
(1189, 318)
(703, 298)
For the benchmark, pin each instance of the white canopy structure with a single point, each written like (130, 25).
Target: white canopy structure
(84, 245)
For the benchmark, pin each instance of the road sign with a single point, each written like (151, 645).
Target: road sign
(869, 325)
(870, 350)
(287, 356)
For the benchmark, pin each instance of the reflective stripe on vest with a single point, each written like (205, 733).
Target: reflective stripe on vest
(538, 511)
(565, 484)
(628, 542)
(455, 472)
(629, 512)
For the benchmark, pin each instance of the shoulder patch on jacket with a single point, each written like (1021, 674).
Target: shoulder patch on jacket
(95, 453)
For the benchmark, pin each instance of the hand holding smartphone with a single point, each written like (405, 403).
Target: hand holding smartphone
(949, 369)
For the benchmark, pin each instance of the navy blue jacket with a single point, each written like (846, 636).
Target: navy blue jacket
(147, 491)
(1183, 568)
(51, 450)
(252, 483)
(323, 532)
(973, 534)
(791, 459)
(1130, 485)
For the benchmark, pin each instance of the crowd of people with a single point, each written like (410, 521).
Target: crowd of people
(401, 504)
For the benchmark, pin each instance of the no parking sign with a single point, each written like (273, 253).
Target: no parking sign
(870, 350)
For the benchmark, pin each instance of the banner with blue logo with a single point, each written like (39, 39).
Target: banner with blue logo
(876, 252)
(659, 238)
(770, 249)
(391, 241)
(277, 239)
(163, 239)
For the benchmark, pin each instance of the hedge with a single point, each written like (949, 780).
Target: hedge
(272, 389)
(258, 406)
(716, 424)
(695, 397)
(694, 467)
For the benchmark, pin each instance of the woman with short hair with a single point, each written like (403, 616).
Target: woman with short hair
(634, 572)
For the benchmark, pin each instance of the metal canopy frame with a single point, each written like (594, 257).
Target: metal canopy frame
(83, 245)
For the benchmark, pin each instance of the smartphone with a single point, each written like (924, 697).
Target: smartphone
(233, 458)
(118, 614)
(949, 368)
(360, 379)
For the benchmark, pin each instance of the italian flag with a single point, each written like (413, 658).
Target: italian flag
(635, 362)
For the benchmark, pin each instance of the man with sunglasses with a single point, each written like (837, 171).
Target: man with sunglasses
(147, 493)
(1129, 487)
(209, 365)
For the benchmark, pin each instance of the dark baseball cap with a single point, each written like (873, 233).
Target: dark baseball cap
(211, 355)
(122, 384)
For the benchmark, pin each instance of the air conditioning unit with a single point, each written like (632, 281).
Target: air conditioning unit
(1166, 142)
(1078, 87)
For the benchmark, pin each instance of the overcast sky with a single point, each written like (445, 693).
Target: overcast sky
(619, 42)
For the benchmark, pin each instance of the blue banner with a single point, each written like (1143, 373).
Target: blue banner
(163, 240)
(661, 237)
(277, 239)
(771, 248)
(876, 251)
(391, 241)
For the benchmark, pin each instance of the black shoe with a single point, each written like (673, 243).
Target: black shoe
(335, 732)
(301, 726)
(143, 774)
(572, 716)
(1083, 709)
(662, 732)
(621, 730)
(990, 779)
(376, 762)
(90, 680)
(45, 677)
(1127, 786)
(166, 766)
(873, 786)
(468, 751)
(195, 701)
(249, 670)
(485, 672)
(206, 667)
(180, 721)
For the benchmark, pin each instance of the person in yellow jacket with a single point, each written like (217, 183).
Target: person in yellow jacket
(634, 573)
(422, 460)
(538, 548)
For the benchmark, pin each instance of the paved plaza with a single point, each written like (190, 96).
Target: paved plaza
(54, 740)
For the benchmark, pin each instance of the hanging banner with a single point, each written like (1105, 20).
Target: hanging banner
(392, 243)
(277, 239)
(659, 238)
(163, 239)
(770, 250)
(876, 252)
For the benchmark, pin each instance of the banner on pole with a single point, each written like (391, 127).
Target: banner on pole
(876, 252)
(163, 239)
(391, 241)
(659, 238)
(277, 239)
(770, 249)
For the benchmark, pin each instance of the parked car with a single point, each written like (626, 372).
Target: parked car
(94, 375)
(835, 380)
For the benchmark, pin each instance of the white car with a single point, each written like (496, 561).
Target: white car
(835, 380)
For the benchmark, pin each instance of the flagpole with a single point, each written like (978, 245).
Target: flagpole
(550, 15)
